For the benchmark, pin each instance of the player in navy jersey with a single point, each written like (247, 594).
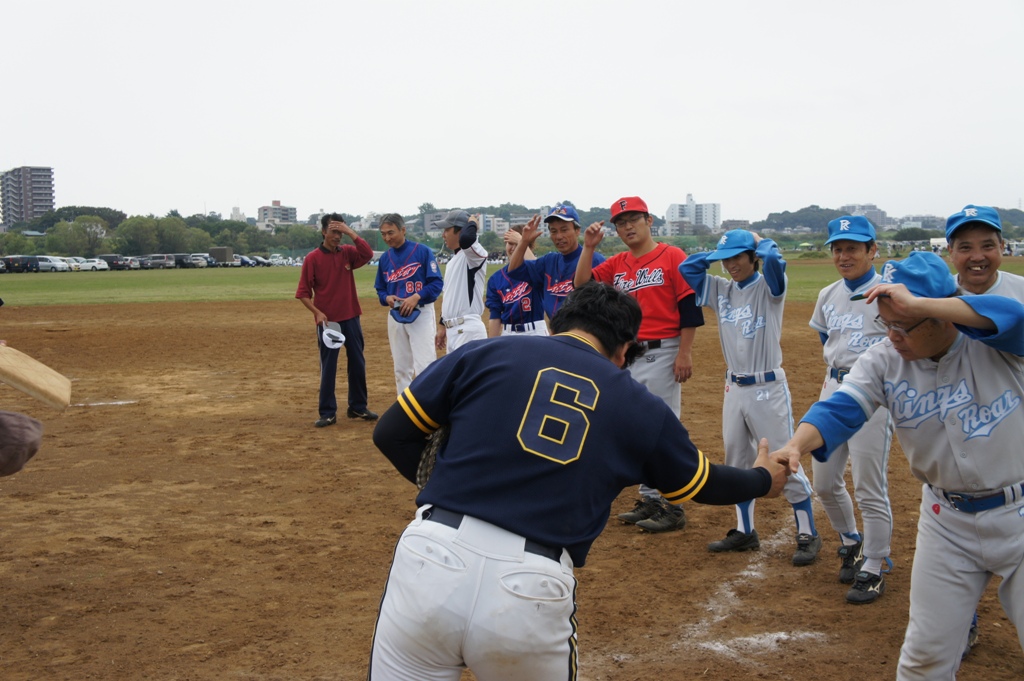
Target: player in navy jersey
(408, 281)
(483, 576)
(515, 306)
(553, 273)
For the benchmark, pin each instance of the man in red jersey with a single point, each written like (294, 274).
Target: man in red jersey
(649, 271)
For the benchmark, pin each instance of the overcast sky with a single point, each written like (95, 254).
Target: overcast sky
(760, 106)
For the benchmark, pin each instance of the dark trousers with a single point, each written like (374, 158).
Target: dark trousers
(356, 369)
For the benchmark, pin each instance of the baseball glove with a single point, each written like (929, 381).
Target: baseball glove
(434, 444)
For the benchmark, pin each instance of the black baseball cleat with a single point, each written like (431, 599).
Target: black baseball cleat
(853, 558)
(665, 519)
(326, 421)
(645, 507)
(866, 588)
(807, 547)
(364, 414)
(736, 541)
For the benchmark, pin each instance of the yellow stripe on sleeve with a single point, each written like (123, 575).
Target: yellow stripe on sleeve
(416, 413)
(695, 485)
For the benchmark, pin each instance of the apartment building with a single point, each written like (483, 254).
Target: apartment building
(26, 193)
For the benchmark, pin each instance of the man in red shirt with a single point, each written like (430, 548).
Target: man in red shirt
(327, 287)
(649, 271)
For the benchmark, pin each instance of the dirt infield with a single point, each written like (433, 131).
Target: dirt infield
(192, 524)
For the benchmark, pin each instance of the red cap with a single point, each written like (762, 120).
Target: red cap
(628, 204)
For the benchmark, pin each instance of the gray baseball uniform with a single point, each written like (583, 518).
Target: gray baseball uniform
(960, 423)
(1006, 284)
(851, 327)
(757, 400)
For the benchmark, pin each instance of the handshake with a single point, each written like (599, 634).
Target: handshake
(781, 463)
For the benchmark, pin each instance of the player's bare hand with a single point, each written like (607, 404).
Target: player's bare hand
(440, 338)
(757, 238)
(532, 229)
(512, 237)
(683, 367)
(902, 301)
(409, 304)
(788, 456)
(593, 235)
(780, 472)
(319, 318)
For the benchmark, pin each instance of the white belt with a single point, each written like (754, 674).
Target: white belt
(459, 321)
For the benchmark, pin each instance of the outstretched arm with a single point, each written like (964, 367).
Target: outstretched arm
(530, 233)
(584, 266)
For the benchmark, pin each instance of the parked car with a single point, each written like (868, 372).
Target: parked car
(3, 266)
(133, 263)
(234, 262)
(22, 263)
(162, 261)
(72, 264)
(261, 261)
(246, 261)
(94, 264)
(144, 262)
(183, 260)
(199, 261)
(49, 263)
(114, 261)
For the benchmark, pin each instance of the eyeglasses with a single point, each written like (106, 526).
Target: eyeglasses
(628, 219)
(897, 329)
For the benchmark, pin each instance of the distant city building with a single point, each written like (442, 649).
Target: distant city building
(428, 223)
(275, 214)
(369, 221)
(872, 212)
(925, 221)
(237, 215)
(735, 224)
(691, 213)
(26, 193)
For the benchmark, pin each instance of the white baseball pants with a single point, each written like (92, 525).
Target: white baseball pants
(412, 346)
(474, 597)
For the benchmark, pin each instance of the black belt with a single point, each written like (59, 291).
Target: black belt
(520, 328)
(967, 503)
(751, 379)
(452, 519)
(651, 345)
(838, 374)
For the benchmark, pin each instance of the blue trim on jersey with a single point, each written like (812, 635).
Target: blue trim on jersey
(749, 281)
(823, 337)
(773, 265)
(428, 274)
(837, 419)
(695, 271)
(853, 285)
(1008, 316)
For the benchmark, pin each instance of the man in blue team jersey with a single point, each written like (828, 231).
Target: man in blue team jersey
(514, 306)
(408, 281)
(553, 272)
(483, 576)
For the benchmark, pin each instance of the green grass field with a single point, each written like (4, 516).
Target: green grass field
(806, 278)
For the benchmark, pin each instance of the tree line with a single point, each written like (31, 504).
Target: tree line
(86, 231)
